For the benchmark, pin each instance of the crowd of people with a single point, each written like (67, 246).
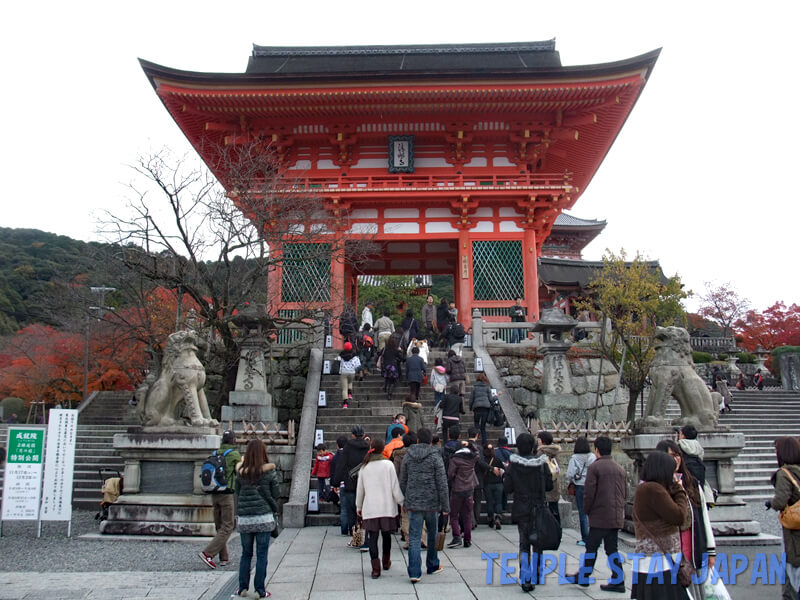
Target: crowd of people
(413, 483)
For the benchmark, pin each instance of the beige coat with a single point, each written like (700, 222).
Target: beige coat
(378, 491)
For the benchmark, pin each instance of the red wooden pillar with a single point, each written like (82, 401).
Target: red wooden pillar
(338, 291)
(463, 279)
(530, 268)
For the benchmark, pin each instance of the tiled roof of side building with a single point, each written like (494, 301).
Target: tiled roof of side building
(565, 220)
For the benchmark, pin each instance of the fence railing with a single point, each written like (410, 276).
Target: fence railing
(714, 345)
(269, 433)
(569, 432)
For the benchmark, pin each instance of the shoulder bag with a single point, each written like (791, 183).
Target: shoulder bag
(790, 516)
(578, 477)
(546, 533)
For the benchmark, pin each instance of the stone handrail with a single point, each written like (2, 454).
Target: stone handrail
(294, 511)
(86, 403)
(513, 417)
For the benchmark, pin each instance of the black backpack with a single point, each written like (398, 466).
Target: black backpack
(458, 331)
(213, 478)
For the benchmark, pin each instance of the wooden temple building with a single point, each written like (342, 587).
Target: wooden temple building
(454, 159)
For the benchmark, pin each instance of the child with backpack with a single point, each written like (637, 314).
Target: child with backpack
(322, 471)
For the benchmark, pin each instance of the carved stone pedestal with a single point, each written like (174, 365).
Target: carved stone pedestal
(162, 494)
(250, 401)
(730, 517)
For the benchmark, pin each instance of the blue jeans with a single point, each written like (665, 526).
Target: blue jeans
(582, 518)
(415, 520)
(261, 540)
(343, 513)
(348, 502)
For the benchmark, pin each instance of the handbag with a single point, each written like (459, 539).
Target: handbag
(546, 533)
(715, 591)
(278, 528)
(685, 569)
(425, 379)
(441, 535)
(790, 516)
(357, 535)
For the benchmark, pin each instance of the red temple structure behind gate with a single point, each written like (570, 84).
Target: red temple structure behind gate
(455, 159)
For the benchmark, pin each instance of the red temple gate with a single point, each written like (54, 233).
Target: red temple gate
(455, 159)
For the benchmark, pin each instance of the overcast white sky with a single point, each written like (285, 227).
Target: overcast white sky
(698, 178)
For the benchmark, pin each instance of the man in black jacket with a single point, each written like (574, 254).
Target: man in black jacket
(353, 453)
(528, 478)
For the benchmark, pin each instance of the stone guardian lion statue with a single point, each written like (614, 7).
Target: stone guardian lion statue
(673, 376)
(177, 396)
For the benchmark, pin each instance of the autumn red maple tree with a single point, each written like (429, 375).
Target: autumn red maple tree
(45, 366)
(776, 326)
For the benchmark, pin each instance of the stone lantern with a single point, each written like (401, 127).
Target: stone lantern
(553, 326)
(761, 357)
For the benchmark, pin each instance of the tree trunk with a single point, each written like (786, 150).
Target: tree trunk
(633, 395)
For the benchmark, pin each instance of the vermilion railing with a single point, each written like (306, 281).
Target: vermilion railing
(552, 181)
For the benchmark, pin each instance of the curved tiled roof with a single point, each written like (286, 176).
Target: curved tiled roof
(565, 220)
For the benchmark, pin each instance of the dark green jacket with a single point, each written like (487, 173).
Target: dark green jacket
(261, 498)
(231, 460)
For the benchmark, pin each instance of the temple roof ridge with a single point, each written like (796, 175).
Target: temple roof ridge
(540, 46)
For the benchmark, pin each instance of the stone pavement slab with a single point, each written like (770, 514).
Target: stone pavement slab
(316, 564)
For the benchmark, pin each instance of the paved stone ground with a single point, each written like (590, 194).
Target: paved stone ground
(312, 563)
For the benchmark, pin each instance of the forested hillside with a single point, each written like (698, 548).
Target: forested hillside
(31, 262)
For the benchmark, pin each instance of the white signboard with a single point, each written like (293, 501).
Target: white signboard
(323, 398)
(511, 436)
(313, 500)
(329, 341)
(478, 364)
(326, 367)
(59, 465)
(318, 438)
(22, 481)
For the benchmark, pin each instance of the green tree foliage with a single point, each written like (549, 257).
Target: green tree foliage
(393, 295)
(635, 297)
(31, 264)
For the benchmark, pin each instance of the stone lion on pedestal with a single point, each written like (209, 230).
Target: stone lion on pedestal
(177, 396)
(673, 376)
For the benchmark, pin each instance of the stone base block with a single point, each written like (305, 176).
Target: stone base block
(157, 528)
(254, 397)
(252, 413)
(154, 514)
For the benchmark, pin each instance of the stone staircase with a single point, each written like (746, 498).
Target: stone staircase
(762, 416)
(107, 414)
(371, 409)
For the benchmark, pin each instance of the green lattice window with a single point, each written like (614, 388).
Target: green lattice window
(497, 270)
(306, 273)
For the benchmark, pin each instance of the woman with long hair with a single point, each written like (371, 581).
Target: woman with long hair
(660, 507)
(257, 488)
(390, 362)
(579, 462)
(377, 497)
(786, 480)
(697, 538)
